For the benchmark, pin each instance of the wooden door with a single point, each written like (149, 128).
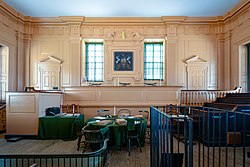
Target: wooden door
(49, 78)
(197, 77)
(49, 72)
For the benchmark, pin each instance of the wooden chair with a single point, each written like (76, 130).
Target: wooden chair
(145, 114)
(103, 112)
(70, 108)
(124, 112)
(132, 133)
(29, 89)
(94, 136)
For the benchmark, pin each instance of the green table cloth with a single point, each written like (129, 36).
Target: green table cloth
(117, 135)
(60, 127)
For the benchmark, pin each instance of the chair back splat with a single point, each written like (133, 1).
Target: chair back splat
(94, 136)
(124, 112)
(145, 114)
(103, 112)
(132, 133)
(70, 108)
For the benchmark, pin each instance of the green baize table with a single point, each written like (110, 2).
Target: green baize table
(60, 127)
(118, 133)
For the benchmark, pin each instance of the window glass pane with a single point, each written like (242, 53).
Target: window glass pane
(94, 62)
(153, 61)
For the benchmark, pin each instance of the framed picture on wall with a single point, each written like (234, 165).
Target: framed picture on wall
(123, 61)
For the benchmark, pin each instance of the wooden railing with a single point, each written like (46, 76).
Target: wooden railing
(87, 159)
(221, 137)
(199, 97)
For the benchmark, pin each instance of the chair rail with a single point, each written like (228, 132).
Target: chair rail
(199, 97)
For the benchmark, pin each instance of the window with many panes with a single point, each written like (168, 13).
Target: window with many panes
(153, 61)
(94, 61)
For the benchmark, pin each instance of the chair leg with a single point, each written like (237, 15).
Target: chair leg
(128, 147)
(79, 142)
(139, 143)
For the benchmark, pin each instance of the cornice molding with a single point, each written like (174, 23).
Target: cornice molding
(46, 21)
(173, 19)
(10, 11)
(121, 21)
(73, 20)
(237, 10)
(159, 21)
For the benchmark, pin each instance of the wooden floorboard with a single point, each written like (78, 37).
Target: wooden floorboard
(117, 157)
(120, 158)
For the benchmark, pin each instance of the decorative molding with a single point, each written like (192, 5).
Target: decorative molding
(123, 35)
(237, 10)
(195, 59)
(10, 11)
(173, 19)
(76, 20)
(50, 59)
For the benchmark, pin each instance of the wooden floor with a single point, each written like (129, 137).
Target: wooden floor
(117, 158)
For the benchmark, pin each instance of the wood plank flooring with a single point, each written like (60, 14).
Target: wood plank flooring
(117, 158)
(120, 158)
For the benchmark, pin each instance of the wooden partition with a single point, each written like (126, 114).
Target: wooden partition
(92, 98)
(24, 110)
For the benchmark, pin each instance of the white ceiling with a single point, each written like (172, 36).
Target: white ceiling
(122, 8)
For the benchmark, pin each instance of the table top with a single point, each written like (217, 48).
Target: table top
(61, 115)
(113, 121)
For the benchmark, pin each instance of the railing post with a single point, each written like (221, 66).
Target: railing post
(191, 135)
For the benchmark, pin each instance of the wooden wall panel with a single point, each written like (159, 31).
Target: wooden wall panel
(181, 73)
(80, 95)
(237, 34)
(164, 95)
(197, 35)
(65, 71)
(121, 96)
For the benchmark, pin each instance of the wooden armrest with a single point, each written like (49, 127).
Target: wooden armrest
(94, 153)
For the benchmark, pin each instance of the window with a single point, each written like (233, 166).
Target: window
(153, 61)
(94, 59)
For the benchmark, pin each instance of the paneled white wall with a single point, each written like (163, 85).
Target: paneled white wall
(182, 42)
(215, 39)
